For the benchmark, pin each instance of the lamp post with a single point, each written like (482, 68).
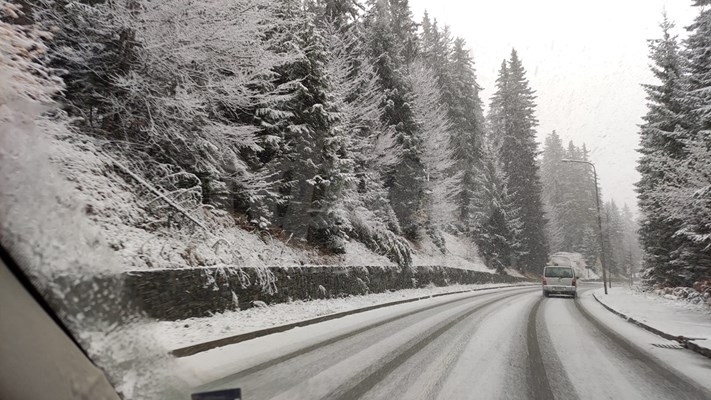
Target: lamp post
(599, 221)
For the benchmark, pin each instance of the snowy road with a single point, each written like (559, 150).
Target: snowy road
(502, 344)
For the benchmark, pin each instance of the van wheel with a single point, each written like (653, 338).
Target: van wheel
(546, 294)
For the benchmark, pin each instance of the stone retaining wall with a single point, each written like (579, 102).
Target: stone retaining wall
(198, 292)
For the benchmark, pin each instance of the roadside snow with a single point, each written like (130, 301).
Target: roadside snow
(177, 334)
(677, 318)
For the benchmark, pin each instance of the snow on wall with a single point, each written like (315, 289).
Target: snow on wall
(172, 294)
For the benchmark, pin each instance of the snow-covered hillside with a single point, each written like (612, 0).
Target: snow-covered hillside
(147, 233)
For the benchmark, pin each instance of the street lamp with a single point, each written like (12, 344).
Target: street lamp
(599, 221)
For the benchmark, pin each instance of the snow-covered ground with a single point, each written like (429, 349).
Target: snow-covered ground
(506, 343)
(121, 209)
(177, 334)
(461, 253)
(675, 317)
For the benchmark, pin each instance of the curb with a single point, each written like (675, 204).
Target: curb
(201, 347)
(686, 342)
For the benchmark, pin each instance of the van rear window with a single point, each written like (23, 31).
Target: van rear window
(558, 272)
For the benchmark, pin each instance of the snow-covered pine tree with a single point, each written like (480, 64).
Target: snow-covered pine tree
(175, 98)
(386, 47)
(466, 114)
(436, 52)
(661, 142)
(686, 195)
(554, 189)
(356, 93)
(572, 203)
(313, 163)
(569, 198)
(96, 35)
(512, 119)
(454, 68)
(632, 248)
(578, 201)
(437, 156)
(426, 38)
(340, 13)
(405, 30)
(687, 198)
(498, 226)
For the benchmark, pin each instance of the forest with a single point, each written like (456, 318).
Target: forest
(675, 164)
(325, 121)
(320, 121)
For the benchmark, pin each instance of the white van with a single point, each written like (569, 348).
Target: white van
(559, 280)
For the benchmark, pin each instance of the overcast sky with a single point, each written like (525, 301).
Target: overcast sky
(585, 60)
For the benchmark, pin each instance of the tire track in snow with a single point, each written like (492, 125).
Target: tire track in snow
(230, 379)
(558, 379)
(538, 385)
(433, 389)
(355, 390)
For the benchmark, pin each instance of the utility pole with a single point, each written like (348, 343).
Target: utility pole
(631, 266)
(599, 221)
(607, 224)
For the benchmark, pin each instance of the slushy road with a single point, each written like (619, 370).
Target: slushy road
(499, 344)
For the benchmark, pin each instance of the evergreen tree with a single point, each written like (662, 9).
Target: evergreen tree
(405, 30)
(438, 158)
(498, 224)
(314, 163)
(454, 70)
(466, 113)
(145, 89)
(631, 240)
(386, 29)
(686, 196)
(512, 119)
(661, 141)
(569, 197)
(427, 38)
(369, 216)
(555, 187)
(96, 35)
(340, 13)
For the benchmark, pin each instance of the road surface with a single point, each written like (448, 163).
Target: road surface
(500, 344)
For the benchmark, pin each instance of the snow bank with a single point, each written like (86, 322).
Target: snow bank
(177, 334)
(671, 316)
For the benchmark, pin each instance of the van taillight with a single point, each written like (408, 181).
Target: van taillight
(545, 282)
(574, 282)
